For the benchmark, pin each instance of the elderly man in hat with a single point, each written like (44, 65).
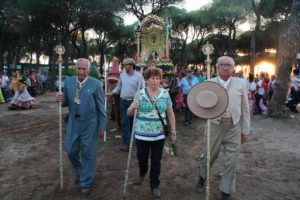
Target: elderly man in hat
(230, 129)
(186, 84)
(85, 99)
(127, 87)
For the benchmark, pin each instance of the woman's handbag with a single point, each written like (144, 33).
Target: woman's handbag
(165, 126)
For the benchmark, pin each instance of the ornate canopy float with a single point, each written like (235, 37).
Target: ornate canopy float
(153, 41)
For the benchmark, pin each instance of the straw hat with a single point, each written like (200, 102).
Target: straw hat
(208, 100)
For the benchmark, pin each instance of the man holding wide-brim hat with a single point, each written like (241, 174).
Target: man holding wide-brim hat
(229, 129)
(127, 87)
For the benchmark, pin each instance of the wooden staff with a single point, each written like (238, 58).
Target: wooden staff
(105, 91)
(60, 50)
(131, 139)
(208, 49)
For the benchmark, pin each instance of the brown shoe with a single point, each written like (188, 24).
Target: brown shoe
(156, 192)
(200, 185)
(76, 180)
(85, 191)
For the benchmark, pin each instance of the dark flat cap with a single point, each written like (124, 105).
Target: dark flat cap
(128, 61)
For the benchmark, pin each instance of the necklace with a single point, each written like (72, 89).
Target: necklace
(154, 98)
(78, 90)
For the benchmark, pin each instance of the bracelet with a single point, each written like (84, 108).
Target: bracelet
(173, 132)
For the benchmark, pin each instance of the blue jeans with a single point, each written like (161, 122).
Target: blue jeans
(188, 115)
(127, 121)
(257, 103)
(143, 151)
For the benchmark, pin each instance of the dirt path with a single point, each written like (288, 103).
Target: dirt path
(268, 168)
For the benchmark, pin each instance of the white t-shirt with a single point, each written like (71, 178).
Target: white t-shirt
(251, 86)
(295, 80)
(4, 81)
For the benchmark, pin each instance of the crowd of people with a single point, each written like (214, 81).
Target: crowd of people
(153, 106)
(19, 89)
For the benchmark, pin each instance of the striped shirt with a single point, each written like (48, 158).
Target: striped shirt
(128, 84)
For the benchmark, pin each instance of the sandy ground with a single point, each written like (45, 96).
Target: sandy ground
(268, 168)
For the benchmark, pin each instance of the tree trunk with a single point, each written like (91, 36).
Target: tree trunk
(254, 36)
(84, 45)
(233, 41)
(229, 52)
(52, 71)
(289, 45)
(74, 43)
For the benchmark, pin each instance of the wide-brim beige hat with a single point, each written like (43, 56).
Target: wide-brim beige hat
(207, 100)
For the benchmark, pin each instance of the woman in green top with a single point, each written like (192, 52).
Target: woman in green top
(148, 128)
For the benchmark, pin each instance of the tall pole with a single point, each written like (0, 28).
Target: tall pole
(138, 45)
(105, 85)
(59, 49)
(207, 50)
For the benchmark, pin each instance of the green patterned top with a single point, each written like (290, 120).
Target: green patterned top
(148, 127)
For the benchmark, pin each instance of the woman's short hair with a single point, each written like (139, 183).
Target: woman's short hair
(152, 71)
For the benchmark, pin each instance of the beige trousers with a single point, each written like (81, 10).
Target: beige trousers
(230, 137)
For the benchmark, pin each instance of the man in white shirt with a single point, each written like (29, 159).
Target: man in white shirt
(260, 93)
(4, 85)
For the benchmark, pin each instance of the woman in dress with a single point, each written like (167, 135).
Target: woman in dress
(180, 105)
(22, 98)
(2, 100)
(148, 128)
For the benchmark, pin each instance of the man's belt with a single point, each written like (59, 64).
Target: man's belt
(77, 116)
(226, 121)
(127, 98)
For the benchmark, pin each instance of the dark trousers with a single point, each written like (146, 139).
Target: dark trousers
(188, 115)
(257, 103)
(143, 150)
(292, 104)
(127, 121)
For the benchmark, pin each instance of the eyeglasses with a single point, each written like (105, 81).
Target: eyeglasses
(225, 65)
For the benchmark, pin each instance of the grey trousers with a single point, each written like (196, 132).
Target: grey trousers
(230, 137)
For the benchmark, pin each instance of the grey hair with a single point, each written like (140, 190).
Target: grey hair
(83, 59)
(225, 57)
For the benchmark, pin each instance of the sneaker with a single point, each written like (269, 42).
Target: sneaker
(124, 148)
(138, 181)
(156, 192)
(225, 196)
(85, 191)
(200, 185)
(76, 180)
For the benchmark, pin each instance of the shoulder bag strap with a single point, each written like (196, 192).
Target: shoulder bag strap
(160, 118)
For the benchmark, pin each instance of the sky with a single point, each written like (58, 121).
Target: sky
(189, 5)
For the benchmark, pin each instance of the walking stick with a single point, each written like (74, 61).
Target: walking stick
(131, 140)
(60, 50)
(105, 92)
(207, 50)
